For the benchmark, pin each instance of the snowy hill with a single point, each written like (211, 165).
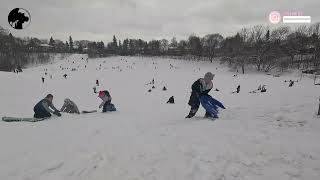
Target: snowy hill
(272, 135)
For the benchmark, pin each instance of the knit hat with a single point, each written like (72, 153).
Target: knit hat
(208, 76)
(101, 94)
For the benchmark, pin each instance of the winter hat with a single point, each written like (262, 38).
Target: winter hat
(49, 96)
(101, 94)
(209, 76)
(67, 100)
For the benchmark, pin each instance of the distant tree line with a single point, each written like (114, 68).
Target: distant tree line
(259, 47)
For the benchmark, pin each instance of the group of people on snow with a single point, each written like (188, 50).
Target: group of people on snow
(45, 107)
(200, 87)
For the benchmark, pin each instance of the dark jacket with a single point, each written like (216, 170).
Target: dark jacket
(44, 104)
(198, 87)
(198, 90)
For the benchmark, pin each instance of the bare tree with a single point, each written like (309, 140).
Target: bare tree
(173, 43)
(210, 43)
(280, 34)
(164, 45)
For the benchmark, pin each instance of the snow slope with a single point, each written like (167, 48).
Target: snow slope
(274, 135)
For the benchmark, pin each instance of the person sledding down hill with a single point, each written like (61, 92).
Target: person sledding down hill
(199, 88)
(42, 108)
(106, 101)
(69, 107)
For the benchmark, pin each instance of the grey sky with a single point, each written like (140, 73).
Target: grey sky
(147, 19)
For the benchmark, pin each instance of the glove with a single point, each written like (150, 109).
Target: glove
(57, 113)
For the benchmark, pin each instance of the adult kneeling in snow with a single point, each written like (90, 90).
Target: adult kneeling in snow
(42, 108)
(69, 107)
(106, 101)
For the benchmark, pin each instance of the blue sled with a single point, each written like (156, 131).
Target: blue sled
(211, 105)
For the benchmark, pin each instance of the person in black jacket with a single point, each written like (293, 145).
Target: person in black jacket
(200, 87)
(42, 110)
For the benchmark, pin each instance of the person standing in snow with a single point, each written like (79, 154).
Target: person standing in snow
(106, 101)
(42, 108)
(69, 107)
(291, 83)
(200, 87)
(42, 79)
(319, 108)
(238, 89)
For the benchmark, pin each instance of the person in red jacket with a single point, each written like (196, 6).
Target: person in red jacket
(106, 101)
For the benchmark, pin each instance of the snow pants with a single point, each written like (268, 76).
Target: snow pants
(41, 113)
(194, 102)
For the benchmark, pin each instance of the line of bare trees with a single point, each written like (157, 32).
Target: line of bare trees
(259, 47)
(266, 49)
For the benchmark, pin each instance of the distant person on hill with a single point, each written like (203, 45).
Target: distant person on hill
(106, 101)
(200, 87)
(171, 100)
(44, 108)
(237, 91)
(263, 88)
(42, 79)
(65, 76)
(291, 83)
(69, 107)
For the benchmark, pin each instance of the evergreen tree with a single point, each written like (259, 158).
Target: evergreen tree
(125, 46)
(120, 48)
(268, 35)
(51, 42)
(115, 42)
(70, 44)
(67, 46)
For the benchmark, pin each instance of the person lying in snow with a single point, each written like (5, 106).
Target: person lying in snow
(42, 108)
(69, 107)
(106, 101)
(200, 87)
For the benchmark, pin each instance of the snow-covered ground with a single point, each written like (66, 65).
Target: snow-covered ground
(262, 136)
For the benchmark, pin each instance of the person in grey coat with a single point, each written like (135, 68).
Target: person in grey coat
(69, 107)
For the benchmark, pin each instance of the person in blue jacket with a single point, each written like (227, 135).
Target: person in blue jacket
(200, 87)
(44, 108)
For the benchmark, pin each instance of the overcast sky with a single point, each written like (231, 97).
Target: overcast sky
(146, 19)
